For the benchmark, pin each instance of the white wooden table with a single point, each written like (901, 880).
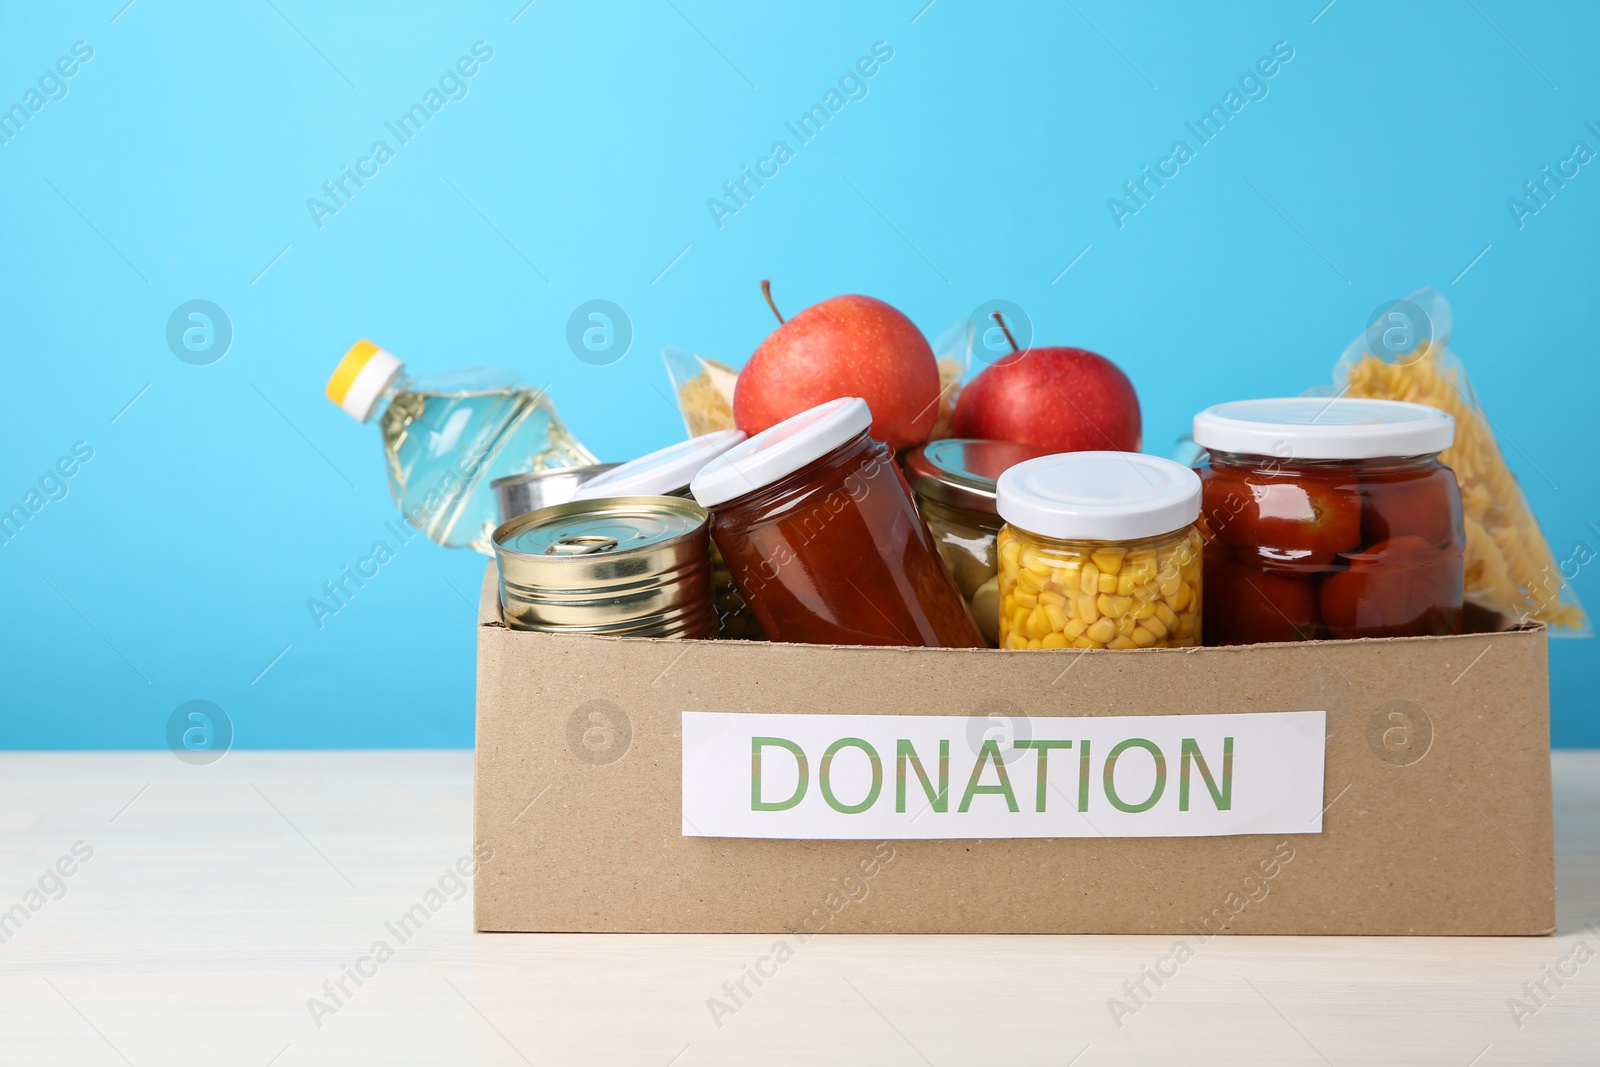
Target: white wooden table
(218, 900)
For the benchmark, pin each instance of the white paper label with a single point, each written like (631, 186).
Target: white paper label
(877, 777)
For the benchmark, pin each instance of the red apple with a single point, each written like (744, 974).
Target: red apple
(846, 346)
(1062, 399)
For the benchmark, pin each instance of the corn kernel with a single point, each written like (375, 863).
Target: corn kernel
(1126, 624)
(1108, 583)
(1010, 550)
(1114, 606)
(1038, 623)
(1142, 570)
(1155, 626)
(1057, 617)
(1025, 599)
(1126, 585)
(1184, 597)
(1090, 582)
(1121, 642)
(1055, 640)
(1143, 609)
(1075, 627)
(1083, 642)
(1143, 638)
(1101, 631)
(1109, 560)
(1086, 608)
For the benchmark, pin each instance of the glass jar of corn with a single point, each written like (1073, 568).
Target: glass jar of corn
(1099, 550)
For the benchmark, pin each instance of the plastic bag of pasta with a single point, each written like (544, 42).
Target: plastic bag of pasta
(1405, 355)
(952, 350)
(703, 390)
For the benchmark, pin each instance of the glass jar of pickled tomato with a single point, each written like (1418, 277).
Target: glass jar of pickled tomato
(1099, 550)
(1329, 518)
(953, 482)
(817, 525)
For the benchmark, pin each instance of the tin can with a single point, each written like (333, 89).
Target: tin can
(621, 566)
(518, 494)
(668, 472)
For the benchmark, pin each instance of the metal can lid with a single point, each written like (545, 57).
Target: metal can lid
(962, 471)
(578, 474)
(1099, 496)
(602, 527)
(519, 494)
(664, 472)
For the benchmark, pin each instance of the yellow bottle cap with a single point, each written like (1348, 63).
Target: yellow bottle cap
(361, 377)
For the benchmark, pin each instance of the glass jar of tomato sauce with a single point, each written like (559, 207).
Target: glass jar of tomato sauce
(953, 480)
(818, 527)
(1329, 518)
(1099, 550)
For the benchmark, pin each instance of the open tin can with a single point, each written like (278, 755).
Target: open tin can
(518, 494)
(622, 566)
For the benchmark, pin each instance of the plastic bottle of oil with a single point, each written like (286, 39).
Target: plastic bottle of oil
(446, 437)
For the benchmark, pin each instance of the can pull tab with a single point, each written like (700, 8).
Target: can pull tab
(581, 545)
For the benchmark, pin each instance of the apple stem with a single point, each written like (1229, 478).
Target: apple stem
(766, 291)
(1005, 330)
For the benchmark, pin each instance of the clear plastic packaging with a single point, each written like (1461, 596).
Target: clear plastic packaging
(1406, 355)
(952, 351)
(703, 390)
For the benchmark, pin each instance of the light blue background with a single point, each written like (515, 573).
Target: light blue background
(978, 167)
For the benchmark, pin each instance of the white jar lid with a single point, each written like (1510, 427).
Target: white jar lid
(1099, 496)
(1312, 427)
(664, 472)
(780, 450)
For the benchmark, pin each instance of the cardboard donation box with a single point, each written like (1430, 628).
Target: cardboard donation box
(1381, 786)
